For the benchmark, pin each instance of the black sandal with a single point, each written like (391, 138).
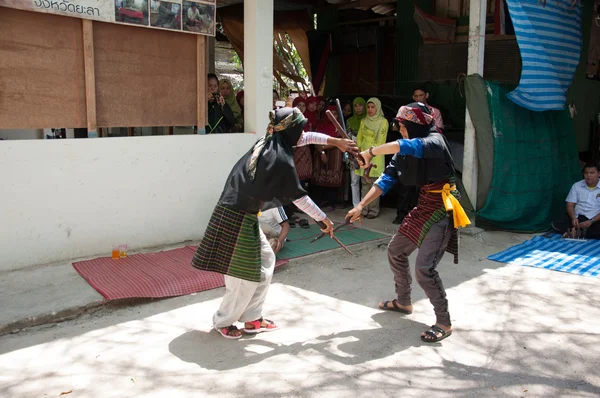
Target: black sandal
(292, 222)
(431, 335)
(304, 223)
(395, 307)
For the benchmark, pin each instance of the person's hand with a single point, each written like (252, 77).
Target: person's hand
(585, 224)
(328, 230)
(364, 159)
(355, 214)
(575, 222)
(323, 157)
(279, 246)
(345, 145)
(221, 100)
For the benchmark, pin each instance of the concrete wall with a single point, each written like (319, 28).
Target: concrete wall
(64, 199)
(37, 134)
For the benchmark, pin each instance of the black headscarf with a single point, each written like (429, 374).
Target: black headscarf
(417, 119)
(266, 177)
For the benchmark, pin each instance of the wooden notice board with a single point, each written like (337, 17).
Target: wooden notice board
(59, 71)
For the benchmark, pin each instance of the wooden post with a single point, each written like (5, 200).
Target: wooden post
(90, 77)
(201, 87)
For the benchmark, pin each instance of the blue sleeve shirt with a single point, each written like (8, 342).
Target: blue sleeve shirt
(408, 147)
(411, 147)
(385, 183)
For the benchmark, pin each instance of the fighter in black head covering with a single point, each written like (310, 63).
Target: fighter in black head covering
(233, 244)
(423, 159)
(265, 177)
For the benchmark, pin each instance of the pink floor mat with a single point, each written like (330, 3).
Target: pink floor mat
(162, 274)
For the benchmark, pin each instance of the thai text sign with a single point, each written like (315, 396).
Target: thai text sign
(179, 15)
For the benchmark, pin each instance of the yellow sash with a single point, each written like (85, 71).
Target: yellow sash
(452, 204)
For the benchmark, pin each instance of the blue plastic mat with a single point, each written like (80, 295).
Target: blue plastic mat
(574, 257)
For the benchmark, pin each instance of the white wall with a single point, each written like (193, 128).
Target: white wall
(64, 199)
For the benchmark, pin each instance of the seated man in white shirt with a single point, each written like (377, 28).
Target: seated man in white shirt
(274, 223)
(583, 206)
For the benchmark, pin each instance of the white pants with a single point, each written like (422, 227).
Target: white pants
(243, 300)
(355, 185)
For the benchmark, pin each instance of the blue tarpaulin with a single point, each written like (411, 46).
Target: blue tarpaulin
(549, 39)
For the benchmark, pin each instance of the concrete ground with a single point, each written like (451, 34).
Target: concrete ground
(518, 332)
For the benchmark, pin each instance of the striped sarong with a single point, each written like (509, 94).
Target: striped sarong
(429, 211)
(231, 245)
(331, 174)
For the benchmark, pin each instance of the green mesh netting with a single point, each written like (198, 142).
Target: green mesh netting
(535, 164)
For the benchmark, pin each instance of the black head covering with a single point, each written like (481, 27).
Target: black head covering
(417, 119)
(266, 177)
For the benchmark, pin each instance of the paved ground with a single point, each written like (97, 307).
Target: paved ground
(519, 332)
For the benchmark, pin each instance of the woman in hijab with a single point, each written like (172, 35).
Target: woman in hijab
(300, 103)
(220, 116)
(240, 100)
(226, 89)
(302, 155)
(311, 112)
(321, 106)
(328, 165)
(421, 158)
(358, 114)
(347, 110)
(372, 132)
(352, 126)
(233, 244)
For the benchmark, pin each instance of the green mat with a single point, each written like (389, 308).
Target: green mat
(299, 244)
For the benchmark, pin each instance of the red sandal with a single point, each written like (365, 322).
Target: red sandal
(257, 327)
(227, 332)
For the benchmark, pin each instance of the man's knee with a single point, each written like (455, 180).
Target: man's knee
(422, 274)
(398, 251)
(396, 254)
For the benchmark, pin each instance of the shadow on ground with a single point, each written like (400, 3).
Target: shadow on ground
(350, 347)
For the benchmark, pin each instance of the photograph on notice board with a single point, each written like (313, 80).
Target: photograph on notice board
(165, 14)
(132, 11)
(199, 17)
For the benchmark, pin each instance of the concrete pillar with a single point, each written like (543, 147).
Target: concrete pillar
(258, 64)
(477, 17)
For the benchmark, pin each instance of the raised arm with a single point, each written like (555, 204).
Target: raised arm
(313, 138)
(415, 147)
